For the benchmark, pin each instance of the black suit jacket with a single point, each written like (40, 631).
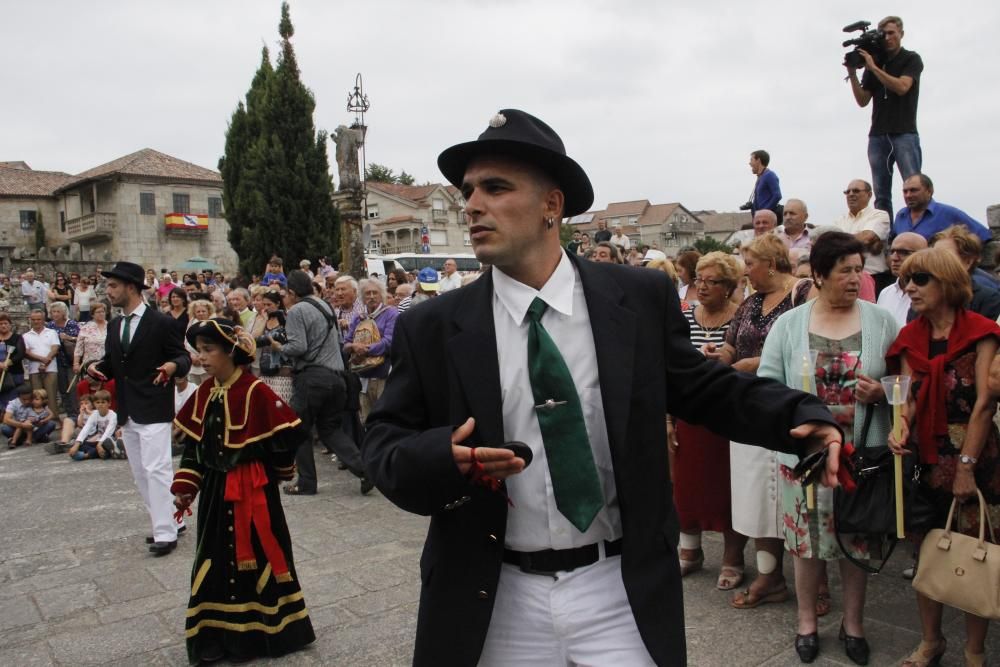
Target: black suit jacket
(445, 369)
(157, 340)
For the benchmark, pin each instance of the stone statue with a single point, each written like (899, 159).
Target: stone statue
(348, 141)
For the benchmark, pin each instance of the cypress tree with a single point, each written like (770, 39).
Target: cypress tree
(276, 169)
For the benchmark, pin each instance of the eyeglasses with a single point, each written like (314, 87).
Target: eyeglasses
(902, 252)
(854, 191)
(708, 282)
(920, 279)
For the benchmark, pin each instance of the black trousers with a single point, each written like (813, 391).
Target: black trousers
(318, 396)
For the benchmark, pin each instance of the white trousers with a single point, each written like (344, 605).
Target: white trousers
(148, 449)
(580, 618)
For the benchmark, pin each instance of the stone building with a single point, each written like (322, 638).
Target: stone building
(146, 207)
(397, 214)
(666, 227)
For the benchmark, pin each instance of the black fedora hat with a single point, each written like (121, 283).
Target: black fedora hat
(129, 272)
(514, 133)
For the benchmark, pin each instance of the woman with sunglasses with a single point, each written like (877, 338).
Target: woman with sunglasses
(851, 337)
(948, 418)
(61, 292)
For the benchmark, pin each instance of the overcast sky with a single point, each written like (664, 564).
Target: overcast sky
(657, 100)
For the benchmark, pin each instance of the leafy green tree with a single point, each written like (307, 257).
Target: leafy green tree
(276, 171)
(709, 244)
(380, 173)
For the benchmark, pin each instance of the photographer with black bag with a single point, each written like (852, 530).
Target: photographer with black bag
(891, 83)
(319, 391)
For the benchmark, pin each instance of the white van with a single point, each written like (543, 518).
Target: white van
(467, 262)
(379, 264)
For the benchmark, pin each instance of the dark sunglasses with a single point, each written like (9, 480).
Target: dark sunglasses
(902, 252)
(919, 279)
(854, 191)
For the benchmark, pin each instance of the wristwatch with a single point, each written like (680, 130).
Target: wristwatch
(965, 458)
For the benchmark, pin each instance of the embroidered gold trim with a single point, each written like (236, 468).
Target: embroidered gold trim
(246, 627)
(245, 565)
(193, 472)
(200, 577)
(283, 578)
(262, 580)
(244, 606)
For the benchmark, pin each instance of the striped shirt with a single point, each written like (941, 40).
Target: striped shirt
(701, 336)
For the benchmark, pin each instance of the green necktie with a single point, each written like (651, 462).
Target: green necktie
(575, 483)
(127, 333)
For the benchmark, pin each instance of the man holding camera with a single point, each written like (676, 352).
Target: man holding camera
(893, 88)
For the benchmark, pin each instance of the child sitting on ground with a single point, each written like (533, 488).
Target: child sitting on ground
(38, 424)
(16, 415)
(97, 438)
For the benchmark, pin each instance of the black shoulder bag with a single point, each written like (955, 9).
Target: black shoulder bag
(871, 508)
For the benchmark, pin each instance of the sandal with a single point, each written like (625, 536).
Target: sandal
(928, 653)
(748, 600)
(823, 603)
(294, 490)
(689, 566)
(975, 659)
(730, 576)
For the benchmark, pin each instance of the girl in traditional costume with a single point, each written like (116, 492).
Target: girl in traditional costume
(245, 596)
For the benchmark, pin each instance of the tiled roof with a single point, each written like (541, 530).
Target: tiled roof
(415, 193)
(728, 221)
(623, 208)
(148, 162)
(26, 182)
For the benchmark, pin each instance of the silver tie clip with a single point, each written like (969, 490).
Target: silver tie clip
(550, 405)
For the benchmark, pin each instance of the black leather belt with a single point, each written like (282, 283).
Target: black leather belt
(550, 561)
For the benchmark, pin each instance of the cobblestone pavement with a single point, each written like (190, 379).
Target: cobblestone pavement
(77, 586)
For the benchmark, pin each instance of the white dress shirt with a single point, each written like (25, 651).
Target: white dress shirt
(534, 522)
(871, 219)
(40, 344)
(896, 301)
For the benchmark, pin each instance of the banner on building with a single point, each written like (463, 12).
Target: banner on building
(191, 221)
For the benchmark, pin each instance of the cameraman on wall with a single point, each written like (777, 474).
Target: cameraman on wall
(893, 88)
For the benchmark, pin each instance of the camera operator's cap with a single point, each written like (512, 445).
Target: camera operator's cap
(514, 133)
(428, 279)
(129, 272)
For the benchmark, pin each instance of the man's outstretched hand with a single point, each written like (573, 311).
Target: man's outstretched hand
(820, 435)
(496, 461)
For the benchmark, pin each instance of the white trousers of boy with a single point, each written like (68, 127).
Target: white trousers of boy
(579, 618)
(148, 449)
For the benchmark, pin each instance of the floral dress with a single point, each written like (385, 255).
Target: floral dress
(938, 478)
(810, 533)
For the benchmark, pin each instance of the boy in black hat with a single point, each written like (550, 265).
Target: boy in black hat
(143, 352)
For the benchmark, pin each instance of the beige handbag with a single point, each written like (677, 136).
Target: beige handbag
(961, 571)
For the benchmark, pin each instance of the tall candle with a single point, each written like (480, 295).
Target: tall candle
(897, 460)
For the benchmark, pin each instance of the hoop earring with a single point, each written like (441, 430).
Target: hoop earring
(550, 222)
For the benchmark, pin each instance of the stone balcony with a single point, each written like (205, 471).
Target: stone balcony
(91, 227)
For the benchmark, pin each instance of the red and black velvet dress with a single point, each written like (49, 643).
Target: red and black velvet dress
(245, 596)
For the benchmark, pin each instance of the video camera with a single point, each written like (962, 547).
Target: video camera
(872, 41)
